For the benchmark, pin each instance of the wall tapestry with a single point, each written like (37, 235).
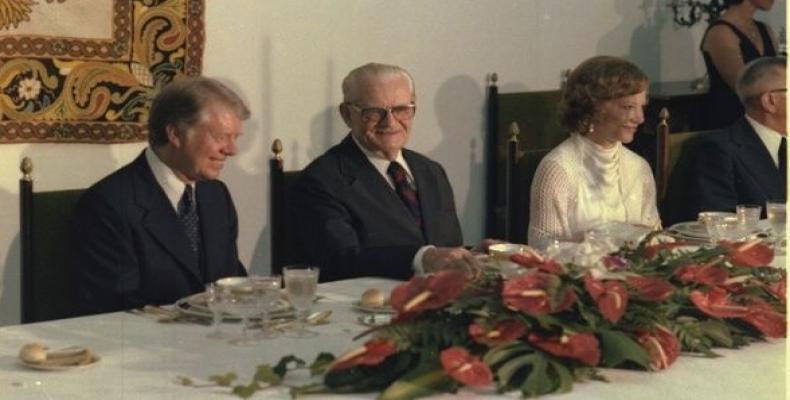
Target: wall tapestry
(86, 70)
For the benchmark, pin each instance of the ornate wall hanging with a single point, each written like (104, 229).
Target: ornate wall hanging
(86, 70)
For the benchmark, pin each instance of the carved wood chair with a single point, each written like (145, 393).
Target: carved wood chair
(522, 129)
(47, 279)
(283, 246)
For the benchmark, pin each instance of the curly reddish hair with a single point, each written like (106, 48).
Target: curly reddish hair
(593, 82)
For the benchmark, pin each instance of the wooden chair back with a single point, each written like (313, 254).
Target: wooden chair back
(48, 290)
(522, 128)
(283, 246)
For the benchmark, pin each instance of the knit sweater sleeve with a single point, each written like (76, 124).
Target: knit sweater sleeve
(551, 197)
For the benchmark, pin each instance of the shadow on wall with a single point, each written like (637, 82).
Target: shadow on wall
(10, 306)
(645, 48)
(460, 111)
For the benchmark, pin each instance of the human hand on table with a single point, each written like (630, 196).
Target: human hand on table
(458, 258)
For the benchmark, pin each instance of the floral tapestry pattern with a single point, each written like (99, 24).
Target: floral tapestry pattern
(90, 88)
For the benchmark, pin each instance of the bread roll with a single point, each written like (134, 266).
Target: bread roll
(373, 298)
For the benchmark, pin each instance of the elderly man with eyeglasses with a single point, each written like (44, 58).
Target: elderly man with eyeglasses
(369, 206)
(745, 163)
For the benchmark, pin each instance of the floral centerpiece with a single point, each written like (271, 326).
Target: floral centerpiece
(554, 324)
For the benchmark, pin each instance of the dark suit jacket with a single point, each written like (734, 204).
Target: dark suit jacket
(130, 248)
(727, 168)
(351, 223)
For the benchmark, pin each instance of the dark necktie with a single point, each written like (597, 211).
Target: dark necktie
(405, 190)
(783, 162)
(187, 213)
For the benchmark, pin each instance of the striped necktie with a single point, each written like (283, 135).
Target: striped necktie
(405, 190)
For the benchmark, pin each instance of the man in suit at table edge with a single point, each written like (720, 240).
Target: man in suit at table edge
(368, 206)
(162, 226)
(745, 163)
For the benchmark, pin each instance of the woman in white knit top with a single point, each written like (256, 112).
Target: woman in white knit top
(591, 179)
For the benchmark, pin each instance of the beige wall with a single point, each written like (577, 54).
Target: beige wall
(287, 58)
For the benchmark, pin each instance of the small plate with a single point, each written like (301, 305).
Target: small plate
(45, 367)
(368, 309)
(195, 305)
(374, 319)
(694, 230)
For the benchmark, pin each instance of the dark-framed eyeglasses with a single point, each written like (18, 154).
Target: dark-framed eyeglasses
(780, 90)
(376, 114)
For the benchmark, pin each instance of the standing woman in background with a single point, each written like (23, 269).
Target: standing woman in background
(728, 45)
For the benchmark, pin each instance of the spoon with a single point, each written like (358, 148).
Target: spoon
(316, 318)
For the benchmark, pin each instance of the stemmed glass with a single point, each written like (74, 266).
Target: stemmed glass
(777, 218)
(215, 303)
(245, 301)
(268, 289)
(301, 282)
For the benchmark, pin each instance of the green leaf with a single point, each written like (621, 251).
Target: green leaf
(518, 366)
(498, 355)
(224, 379)
(265, 373)
(564, 375)
(246, 391)
(322, 361)
(538, 381)
(617, 348)
(282, 367)
(718, 332)
(418, 385)
(184, 380)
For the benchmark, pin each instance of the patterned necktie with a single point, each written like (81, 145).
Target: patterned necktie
(405, 190)
(187, 213)
(783, 162)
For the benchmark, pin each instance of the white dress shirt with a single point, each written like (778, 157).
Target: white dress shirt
(770, 138)
(167, 179)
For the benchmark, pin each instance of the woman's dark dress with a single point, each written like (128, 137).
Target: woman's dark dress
(722, 107)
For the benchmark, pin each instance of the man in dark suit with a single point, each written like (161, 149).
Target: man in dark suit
(162, 226)
(368, 206)
(745, 163)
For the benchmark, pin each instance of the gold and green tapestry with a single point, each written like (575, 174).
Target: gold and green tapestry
(86, 70)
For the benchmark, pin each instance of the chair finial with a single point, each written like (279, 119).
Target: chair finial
(663, 115)
(26, 167)
(277, 148)
(492, 79)
(514, 131)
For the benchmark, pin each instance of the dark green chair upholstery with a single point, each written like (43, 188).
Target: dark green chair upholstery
(47, 280)
(523, 128)
(283, 244)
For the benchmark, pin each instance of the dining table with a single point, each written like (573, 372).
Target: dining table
(141, 357)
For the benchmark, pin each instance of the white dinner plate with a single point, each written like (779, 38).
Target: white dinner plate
(692, 229)
(48, 367)
(195, 306)
(386, 309)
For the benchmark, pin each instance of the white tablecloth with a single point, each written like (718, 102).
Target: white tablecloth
(140, 359)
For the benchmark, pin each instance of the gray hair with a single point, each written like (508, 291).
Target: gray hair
(757, 77)
(181, 103)
(372, 71)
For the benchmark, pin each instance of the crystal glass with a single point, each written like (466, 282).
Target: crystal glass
(268, 288)
(301, 282)
(244, 301)
(777, 219)
(215, 303)
(748, 215)
(721, 227)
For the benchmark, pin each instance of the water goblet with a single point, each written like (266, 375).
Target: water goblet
(268, 288)
(243, 301)
(216, 304)
(301, 282)
(776, 212)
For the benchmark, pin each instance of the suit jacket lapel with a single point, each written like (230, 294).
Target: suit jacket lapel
(161, 221)
(361, 175)
(206, 202)
(427, 191)
(756, 159)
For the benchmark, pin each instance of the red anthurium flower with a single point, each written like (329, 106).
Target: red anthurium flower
(372, 353)
(716, 303)
(698, 273)
(662, 346)
(611, 297)
(428, 292)
(778, 289)
(652, 251)
(581, 346)
(749, 254)
(465, 368)
(530, 293)
(650, 288)
(535, 260)
(503, 332)
(767, 320)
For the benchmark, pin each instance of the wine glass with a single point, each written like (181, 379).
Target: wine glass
(301, 282)
(244, 301)
(215, 303)
(268, 288)
(777, 219)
